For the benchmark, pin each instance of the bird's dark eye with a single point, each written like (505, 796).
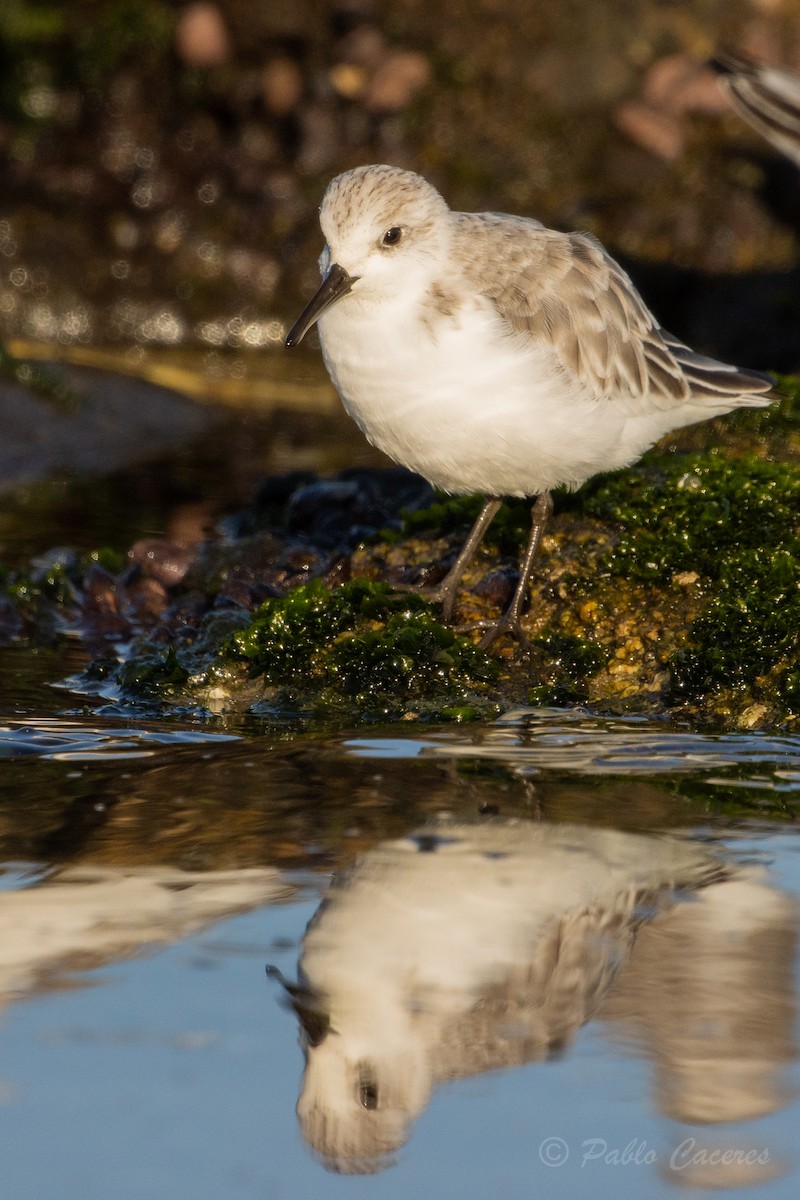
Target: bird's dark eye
(392, 236)
(367, 1089)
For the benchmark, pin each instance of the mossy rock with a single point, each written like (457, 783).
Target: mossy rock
(717, 541)
(358, 651)
(671, 587)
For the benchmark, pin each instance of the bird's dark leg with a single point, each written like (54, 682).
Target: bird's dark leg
(448, 588)
(444, 593)
(541, 512)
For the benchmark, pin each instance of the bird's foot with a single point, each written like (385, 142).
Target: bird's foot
(426, 590)
(505, 625)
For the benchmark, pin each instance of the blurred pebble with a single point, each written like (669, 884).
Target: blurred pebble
(659, 133)
(397, 82)
(320, 140)
(201, 36)
(161, 560)
(100, 590)
(281, 86)
(348, 80)
(364, 47)
(673, 86)
(679, 83)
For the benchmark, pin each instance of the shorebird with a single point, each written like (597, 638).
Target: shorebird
(767, 97)
(493, 355)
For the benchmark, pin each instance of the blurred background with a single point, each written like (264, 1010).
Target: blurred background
(162, 163)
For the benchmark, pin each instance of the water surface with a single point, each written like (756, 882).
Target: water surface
(569, 1018)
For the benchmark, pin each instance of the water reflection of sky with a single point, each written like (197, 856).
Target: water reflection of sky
(174, 1070)
(177, 1075)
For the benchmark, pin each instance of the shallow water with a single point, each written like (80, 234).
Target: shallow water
(263, 414)
(154, 872)
(565, 963)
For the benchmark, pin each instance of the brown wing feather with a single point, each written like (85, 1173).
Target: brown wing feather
(565, 291)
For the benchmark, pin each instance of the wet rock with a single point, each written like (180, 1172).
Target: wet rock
(497, 586)
(247, 594)
(257, 566)
(397, 569)
(145, 599)
(60, 558)
(268, 504)
(100, 615)
(100, 593)
(12, 622)
(309, 508)
(114, 421)
(344, 510)
(341, 572)
(335, 513)
(163, 561)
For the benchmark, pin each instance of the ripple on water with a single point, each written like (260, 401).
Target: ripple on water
(533, 741)
(68, 740)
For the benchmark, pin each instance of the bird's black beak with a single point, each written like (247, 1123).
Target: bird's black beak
(337, 283)
(308, 1007)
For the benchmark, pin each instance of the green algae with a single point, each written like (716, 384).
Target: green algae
(735, 524)
(56, 582)
(689, 513)
(570, 662)
(726, 644)
(364, 647)
(355, 652)
(153, 674)
(747, 640)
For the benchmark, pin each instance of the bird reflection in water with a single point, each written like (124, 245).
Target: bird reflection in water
(464, 948)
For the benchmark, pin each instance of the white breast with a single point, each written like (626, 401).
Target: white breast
(467, 405)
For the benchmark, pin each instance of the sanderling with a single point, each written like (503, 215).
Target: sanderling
(493, 355)
(767, 97)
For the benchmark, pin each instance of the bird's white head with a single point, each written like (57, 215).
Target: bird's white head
(386, 234)
(360, 1094)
